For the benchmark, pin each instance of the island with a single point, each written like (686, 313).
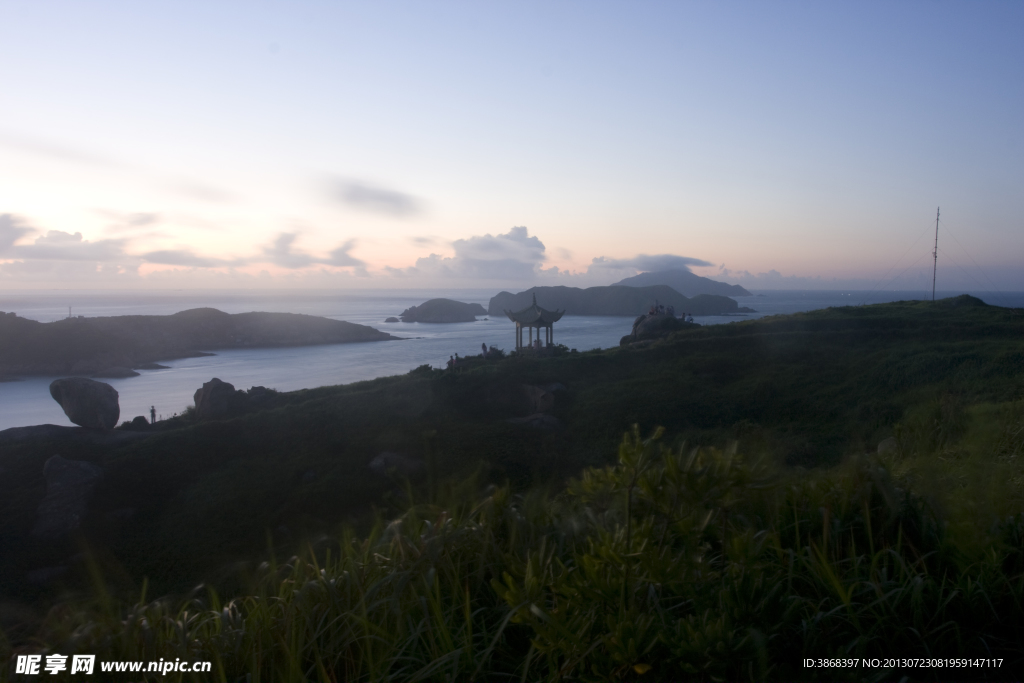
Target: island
(442, 311)
(113, 346)
(615, 300)
(684, 282)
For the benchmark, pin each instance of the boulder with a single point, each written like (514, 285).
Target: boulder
(215, 399)
(889, 445)
(138, 424)
(69, 485)
(86, 402)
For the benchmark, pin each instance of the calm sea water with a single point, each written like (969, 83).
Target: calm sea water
(170, 391)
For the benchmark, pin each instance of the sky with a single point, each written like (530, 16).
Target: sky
(508, 144)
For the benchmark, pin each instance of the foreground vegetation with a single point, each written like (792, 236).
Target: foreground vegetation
(675, 564)
(525, 553)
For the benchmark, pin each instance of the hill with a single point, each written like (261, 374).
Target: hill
(181, 499)
(457, 514)
(613, 300)
(95, 345)
(684, 282)
(442, 311)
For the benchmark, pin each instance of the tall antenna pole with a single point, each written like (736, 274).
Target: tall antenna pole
(935, 253)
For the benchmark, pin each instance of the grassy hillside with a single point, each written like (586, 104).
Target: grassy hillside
(946, 380)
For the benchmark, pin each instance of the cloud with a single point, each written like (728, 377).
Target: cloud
(647, 263)
(202, 192)
(514, 255)
(374, 199)
(424, 241)
(342, 259)
(188, 258)
(65, 153)
(55, 151)
(45, 273)
(127, 221)
(57, 245)
(12, 229)
(281, 253)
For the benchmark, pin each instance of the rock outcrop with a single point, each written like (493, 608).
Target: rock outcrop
(69, 485)
(649, 327)
(215, 399)
(86, 402)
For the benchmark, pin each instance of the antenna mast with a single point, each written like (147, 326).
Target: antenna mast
(935, 253)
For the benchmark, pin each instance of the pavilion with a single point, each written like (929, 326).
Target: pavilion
(535, 317)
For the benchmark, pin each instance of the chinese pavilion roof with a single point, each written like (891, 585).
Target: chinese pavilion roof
(535, 315)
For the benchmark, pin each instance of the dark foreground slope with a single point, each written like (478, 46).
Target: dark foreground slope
(89, 345)
(613, 300)
(188, 497)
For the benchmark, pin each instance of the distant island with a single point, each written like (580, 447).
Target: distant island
(614, 300)
(442, 311)
(684, 282)
(113, 346)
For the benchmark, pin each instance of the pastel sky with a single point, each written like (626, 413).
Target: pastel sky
(478, 144)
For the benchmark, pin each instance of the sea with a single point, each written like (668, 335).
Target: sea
(27, 401)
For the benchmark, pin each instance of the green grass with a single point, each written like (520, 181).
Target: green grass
(674, 564)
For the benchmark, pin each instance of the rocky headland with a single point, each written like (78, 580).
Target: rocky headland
(651, 327)
(115, 346)
(442, 311)
(614, 300)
